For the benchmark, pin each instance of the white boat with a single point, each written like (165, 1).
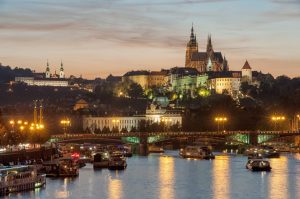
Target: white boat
(20, 178)
(196, 152)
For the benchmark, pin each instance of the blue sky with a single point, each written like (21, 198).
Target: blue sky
(98, 37)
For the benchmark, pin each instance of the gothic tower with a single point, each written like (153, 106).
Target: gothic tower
(246, 73)
(209, 47)
(61, 71)
(48, 74)
(191, 47)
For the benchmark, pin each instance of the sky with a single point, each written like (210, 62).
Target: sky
(95, 38)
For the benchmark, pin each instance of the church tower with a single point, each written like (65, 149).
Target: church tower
(246, 73)
(225, 64)
(61, 71)
(48, 74)
(209, 47)
(191, 47)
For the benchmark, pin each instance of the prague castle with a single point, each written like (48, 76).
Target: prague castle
(204, 61)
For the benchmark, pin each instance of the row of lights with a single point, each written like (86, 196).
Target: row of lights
(278, 118)
(65, 122)
(25, 123)
(220, 119)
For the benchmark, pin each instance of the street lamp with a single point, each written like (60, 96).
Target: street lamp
(220, 120)
(277, 119)
(65, 123)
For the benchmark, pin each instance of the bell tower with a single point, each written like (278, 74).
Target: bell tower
(48, 74)
(61, 71)
(191, 47)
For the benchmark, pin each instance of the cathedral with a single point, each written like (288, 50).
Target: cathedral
(204, 61)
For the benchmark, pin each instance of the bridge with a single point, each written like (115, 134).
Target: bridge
(246, 137)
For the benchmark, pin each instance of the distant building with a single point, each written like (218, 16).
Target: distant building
(46, 79)
(153, 115)
(247, 73)
(140, 77)
(158, 78)
(204, 61)
(31, 81)
(147, 79)
(184, 80)
(80, 104)
(225, 85)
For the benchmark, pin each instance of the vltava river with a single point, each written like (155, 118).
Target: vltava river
(168, 176)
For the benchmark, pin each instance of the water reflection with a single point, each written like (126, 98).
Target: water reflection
(278, 182)
(221, 177)
(166, 177)
(64, 193)
(115, 187)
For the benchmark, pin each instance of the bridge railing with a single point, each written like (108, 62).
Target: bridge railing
(139, 134)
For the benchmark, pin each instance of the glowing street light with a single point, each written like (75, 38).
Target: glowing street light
(65, 123)
(276, 119)
(220, 120)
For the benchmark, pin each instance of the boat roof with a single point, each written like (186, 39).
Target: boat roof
(11, 168)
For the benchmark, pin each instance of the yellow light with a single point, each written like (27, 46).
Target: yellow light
(283, 118)
(21, 128)
(41, 126)
(32, 124)
(273, 118)
(26, 123)
(19, 121)
(225, 119)
(113, 120)
(11, 122)
(31, 128)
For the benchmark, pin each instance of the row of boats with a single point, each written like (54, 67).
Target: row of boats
(256, 156)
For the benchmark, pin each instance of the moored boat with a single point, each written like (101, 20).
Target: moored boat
(117, 162)
(61, 167)
(20, 178)
(196, 152)
(101, 160)
(262, 152)
(258, 165)
(155, 149)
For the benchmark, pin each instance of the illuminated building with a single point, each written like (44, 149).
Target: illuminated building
(247, 73)
(204, 61)
(147, 79)
(31, 81)
(158, 78)
(139, 77)
(225, 85)
(46, 79)
(183, 80)
(154, 114)
(80, 104)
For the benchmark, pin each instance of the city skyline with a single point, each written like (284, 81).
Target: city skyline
(98, 38)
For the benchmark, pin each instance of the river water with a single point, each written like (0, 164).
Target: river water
(167, 176)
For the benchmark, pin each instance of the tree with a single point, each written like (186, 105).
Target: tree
(135, 91)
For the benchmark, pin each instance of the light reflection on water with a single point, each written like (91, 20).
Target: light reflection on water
(115, 188)
(278, 182)
(168, 176)
(221, 177)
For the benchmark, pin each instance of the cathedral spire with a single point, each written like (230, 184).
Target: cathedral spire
(192, 33)
(209, 44)
(61, 65)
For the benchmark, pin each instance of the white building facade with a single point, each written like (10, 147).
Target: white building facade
(129, 123)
